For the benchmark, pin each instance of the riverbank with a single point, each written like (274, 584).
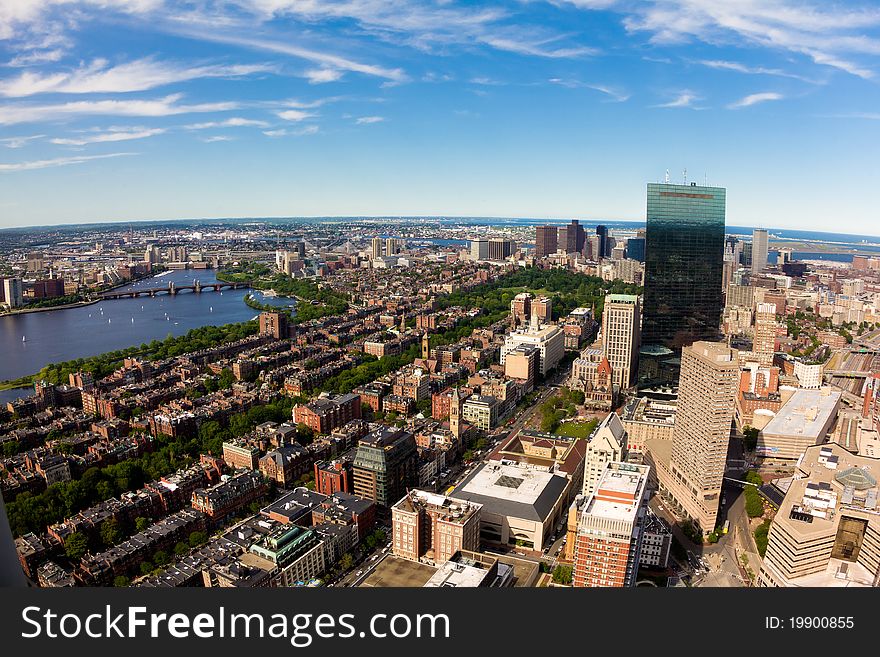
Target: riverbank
(84, 302)
(25, 311)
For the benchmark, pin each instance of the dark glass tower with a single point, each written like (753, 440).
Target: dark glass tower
(635, 248)
(602, 234)
(683, 265)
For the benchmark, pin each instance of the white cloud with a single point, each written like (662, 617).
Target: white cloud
(751, 70)
(167, 106)
(112, 134)
(36, 57)
(364, 120)
(684, 99)
(485, 80)
(754, 99)
(322, 75)
(18, 142)
(55, 162)
(295, 115)
(215, 138)
(615, 94)
(100, 77)
(234, 122)
(284, 132)
(829, 34)
(324, 59)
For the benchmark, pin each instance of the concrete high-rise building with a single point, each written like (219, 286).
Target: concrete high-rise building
(760, 244)
(152, 254)
(549, 340)
(608, 541)
(542, 309)
(602, 234)
(273, 324)
(521, 309)
(827, 529)
(391, 246)
(479, 249)
(546, 240)
(606, 445)
(621, 336)
(430, 527)
(500, 248)
(691, 472)
(764, 344)
(376, 244)
(12, 292)
(683, 264)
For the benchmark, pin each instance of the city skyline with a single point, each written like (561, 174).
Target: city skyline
(152, 111)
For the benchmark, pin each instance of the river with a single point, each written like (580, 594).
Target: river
(60, 335)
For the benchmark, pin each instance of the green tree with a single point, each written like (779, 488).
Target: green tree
(146, 568)
(75, 546)
(142, 523)
(197, 538)
(239, 424)
(181, 548)
(226, 379)
(750, 437)
(160, 558)
(111, 532)
(121, 581)
(562, 575)
(346, 561)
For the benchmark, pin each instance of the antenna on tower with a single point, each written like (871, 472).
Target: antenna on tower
(705, 179)
(666, 180)
(685, 174)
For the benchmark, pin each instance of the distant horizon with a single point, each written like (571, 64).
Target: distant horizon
(412, 217)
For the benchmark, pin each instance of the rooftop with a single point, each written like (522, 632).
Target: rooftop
(806, 413)
(510, 490)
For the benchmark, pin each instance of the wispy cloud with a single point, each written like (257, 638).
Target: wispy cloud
(829, 34)
(284, 132)
(486, 81)
(752, 70)
(683, 99)
(110, 135)
(754, 99)
(100, 77)
(36, 57)
(215, 138)
(323, 75)
(18, 142)
(326, 60)
(167, 106)
(234, 122)
(364, 120)
(55, 162)
(613, 93)
(295, 115)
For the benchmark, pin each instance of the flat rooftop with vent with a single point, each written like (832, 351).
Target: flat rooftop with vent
(804, 420)
(521, 502)
(827, 529)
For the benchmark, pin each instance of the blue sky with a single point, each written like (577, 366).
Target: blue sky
(154, 109)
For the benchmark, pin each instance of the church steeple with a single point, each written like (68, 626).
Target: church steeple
(455, 413)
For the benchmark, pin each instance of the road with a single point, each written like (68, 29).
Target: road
(724, 556)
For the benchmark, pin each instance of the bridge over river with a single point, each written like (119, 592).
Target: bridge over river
(172, 289)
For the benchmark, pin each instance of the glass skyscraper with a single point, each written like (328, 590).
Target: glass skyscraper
(684, 254)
